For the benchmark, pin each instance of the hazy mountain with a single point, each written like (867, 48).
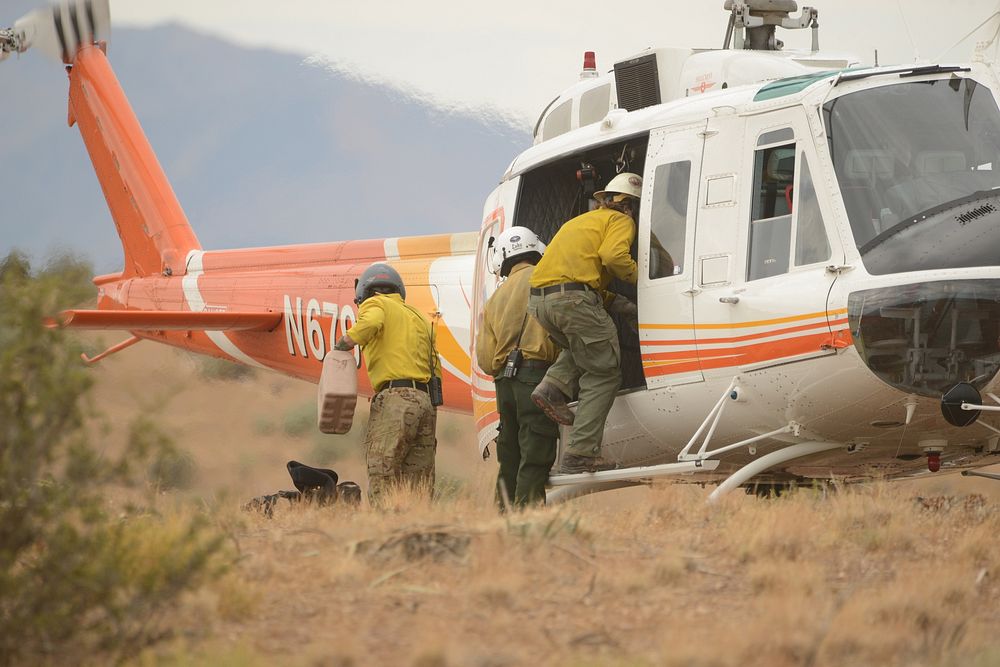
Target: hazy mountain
(261, 149)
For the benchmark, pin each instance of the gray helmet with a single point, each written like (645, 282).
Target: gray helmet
(377, 275)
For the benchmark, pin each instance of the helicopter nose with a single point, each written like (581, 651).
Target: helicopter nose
(926, 337)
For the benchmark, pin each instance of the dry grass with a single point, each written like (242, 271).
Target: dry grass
(863, 577)
(647, 576)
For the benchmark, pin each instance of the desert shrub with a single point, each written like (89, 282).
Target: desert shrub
(76, 580)
(299, 420)
(169, 467)
(263, 426)
(448, 487)
(213, 368)
(173, 468)
(326, 448)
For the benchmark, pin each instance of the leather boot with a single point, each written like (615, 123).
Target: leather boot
(573, 464)
(552, 402)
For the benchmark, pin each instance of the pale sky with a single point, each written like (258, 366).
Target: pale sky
(518, 55)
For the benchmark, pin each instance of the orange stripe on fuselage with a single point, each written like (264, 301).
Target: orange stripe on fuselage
(485, 393)
(413, 247)
(339, 256)
(743, 325)
(487, 420)
(739, 339)
(741, 356)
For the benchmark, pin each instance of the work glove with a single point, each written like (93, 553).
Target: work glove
(344, 344)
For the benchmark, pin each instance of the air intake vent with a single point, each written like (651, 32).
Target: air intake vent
(979, 212)
(637, 82)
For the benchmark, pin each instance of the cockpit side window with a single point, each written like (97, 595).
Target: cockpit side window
(811, 242)
(771, 213)
(668, 219)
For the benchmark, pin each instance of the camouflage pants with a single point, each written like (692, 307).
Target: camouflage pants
(590, 358)
(399, 441)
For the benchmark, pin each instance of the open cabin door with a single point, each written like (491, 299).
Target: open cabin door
(497, 216)
(667, 223)
(762, 246)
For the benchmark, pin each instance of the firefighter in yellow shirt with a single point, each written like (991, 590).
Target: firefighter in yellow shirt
(569, 297)
(405, 373)
(516, 351)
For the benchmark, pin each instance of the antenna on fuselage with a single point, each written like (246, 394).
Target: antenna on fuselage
(753, 23)
(906, 24)
(980, 51)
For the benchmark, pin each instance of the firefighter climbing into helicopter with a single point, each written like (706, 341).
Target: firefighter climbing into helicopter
(569, 296)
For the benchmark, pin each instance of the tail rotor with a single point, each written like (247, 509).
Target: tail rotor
(58, 30)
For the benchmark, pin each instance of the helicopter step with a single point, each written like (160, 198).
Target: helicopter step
(703, 459)
(635, 473)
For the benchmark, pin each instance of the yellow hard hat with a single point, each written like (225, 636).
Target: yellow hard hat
(625, 183)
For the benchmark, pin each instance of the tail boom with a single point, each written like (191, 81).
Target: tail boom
(155, 234)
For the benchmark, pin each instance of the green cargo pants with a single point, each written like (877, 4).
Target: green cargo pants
(526, 445)
(400, 444)
(590, 358)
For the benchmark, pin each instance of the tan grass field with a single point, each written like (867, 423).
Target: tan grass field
(648, 576)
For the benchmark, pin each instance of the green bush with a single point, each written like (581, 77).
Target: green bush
(300, 420)
(76, 580)
(169, 466)
(173, 468)
(263, 426)
(326, 449)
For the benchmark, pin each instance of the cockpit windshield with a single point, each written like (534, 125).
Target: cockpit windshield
(918, 165)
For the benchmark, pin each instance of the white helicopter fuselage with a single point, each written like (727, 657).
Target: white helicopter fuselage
(795, 277)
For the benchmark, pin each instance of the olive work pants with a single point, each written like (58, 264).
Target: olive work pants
(590, 358)
(526, 444)
(400, 442)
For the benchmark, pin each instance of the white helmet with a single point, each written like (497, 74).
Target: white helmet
(512, 243)
(625, 183)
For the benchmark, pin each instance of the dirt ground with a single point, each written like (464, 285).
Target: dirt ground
(887, 574)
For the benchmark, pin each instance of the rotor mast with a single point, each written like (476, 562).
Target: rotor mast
(10, 42)
(753, 23)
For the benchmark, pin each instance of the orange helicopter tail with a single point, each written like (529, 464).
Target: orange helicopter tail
(155, 234)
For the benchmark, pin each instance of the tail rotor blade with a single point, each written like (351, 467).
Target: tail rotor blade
(59, 30)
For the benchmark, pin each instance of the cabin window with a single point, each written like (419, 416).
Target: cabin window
(811, 243)
(782, 136)
(771, 215)
(668, 219)
(558, 120)
(594, 104)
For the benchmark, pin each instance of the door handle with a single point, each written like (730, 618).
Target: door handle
(729, 299)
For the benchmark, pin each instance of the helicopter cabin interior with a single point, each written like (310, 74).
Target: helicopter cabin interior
(559, 190)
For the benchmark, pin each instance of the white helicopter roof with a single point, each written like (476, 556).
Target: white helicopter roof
(691, 85)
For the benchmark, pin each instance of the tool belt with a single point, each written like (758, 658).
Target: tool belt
(536, 363)
(410, 384)
(562, 287)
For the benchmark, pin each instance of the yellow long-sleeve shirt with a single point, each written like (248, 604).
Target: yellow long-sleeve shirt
(503, 316)
(396, 340)
(592, 249)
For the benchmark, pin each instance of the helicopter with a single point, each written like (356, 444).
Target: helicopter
(818, 295)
